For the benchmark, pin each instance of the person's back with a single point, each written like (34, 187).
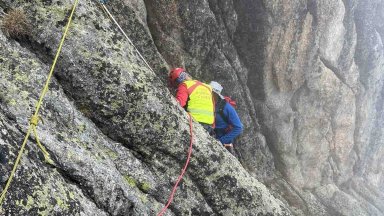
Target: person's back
(227, 123)
(195, 96)
(200, 101)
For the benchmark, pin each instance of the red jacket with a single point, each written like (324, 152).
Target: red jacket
(182, 94)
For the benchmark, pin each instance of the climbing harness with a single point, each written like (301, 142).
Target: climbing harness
(35, 118)
(182, 171)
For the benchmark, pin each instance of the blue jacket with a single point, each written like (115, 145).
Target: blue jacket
(227, 137)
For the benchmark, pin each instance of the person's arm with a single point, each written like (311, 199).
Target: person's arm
(182, 94)
(234, 120)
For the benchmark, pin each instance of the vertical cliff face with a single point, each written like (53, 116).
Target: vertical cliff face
(307, 77)
(117, 136)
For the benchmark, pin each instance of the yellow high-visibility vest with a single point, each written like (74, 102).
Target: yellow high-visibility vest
(200, 104)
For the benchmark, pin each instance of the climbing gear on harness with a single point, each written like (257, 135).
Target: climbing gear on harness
(182, 171)
(35, 118)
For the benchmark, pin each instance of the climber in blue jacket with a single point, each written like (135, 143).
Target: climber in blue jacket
(227, 123)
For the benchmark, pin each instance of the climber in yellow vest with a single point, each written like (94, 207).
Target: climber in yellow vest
(194, 96)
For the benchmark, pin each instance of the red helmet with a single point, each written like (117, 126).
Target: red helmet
(174, 74)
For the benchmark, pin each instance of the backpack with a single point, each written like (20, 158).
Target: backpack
(230, 101)
(221, 106)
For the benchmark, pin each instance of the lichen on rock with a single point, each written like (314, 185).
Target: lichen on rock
(306, 76)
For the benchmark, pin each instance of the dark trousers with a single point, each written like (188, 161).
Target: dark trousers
(209, 129)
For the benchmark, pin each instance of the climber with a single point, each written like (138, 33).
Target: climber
(194, 96)
(227, 123)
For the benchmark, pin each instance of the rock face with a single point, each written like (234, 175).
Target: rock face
(307, 77)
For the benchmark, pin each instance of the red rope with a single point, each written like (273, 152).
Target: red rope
(182, 172)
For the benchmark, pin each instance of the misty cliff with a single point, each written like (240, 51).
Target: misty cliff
(307, 77)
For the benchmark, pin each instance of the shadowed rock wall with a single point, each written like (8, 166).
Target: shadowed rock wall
(307, 77)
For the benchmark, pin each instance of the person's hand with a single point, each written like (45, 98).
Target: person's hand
(229, 147)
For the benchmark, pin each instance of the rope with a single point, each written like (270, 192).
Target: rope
(182, 171)
(42, 148)
(33, 122)
(14, 167)
(190, 118)
(35, 118)
(123, 32)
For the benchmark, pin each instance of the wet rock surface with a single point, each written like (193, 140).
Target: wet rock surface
(307, 77)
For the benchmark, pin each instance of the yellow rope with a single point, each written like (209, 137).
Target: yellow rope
(35, 118)
(55, 60)
(14, 167)
(34, 121)
(46, 154)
